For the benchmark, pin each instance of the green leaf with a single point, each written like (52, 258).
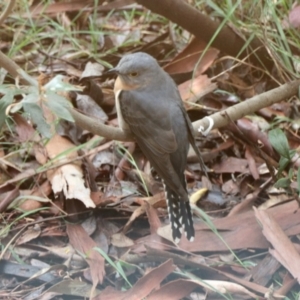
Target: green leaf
(31, 98)
(59, 105)
(117, 267)
(9, 89)
(27, 77)
(283, 162)
(5, 101)
(57, 84)
(283, 183)
(36, 115)
(280, 142)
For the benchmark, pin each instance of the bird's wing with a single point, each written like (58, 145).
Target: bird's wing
(149, 121)
(192, 141)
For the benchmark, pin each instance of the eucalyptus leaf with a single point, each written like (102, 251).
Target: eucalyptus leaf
(283, 183)
(59, 105)
(11, 89)
(283, 162)
(31, 98)
(16, 107)
(27, 77)
(5, 101)
(280, 142)
(57, 84)
(37, 117)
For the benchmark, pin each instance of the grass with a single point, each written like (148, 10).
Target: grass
(117, 266)
(265, 20)
(130, 158)
(36, 33)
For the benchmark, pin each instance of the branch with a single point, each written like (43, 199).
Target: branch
(98, 128)
(7, 11)
(204, 28)
(14, 70)
(220, 118)
(251, 105)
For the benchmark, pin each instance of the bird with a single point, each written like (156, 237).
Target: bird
(150, 107)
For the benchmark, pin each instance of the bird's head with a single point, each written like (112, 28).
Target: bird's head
(137, 70)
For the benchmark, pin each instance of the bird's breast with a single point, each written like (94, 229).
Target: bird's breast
(122, 124)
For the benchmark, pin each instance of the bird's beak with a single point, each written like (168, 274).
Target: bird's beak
(112, 71)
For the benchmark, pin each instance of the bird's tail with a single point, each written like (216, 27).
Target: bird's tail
(180, 216)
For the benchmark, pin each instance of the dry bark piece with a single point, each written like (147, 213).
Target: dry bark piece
(80, 240)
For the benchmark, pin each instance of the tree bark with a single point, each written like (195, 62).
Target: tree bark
(203, 27)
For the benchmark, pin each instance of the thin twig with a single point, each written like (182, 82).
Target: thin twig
(7, 11)
(219, 119)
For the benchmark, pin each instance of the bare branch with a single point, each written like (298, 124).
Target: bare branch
(220, 119)
(204, 28)
(7, 11)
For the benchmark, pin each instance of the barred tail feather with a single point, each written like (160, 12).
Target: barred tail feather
(180, 216)
(187, 220)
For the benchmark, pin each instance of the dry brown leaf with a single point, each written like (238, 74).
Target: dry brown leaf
(174, 290)
(62, 147)
(80, 240)
(287, 285)
(166, 232)
(30, 234)
(40, 154)
(7, 198)
(195, 88)
(241, 230)
(155, 241)
(143, 287)
(69, 288)
(77, 5)
(251, 163)
(24, 175)
(43, 190)
(68, 178)
(284, 250)
(188, 58)
(264, 270)
(121, 240)
(245, 205)
(274, 200)
(254, 134)
(231, 165)
(155, 201)
(231, 187)
(223, 287)
(248, 284)
(25, 131)
(152, 218)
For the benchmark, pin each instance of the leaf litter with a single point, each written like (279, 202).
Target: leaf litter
(54, 245)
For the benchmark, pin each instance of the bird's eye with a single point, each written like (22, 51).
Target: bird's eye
(133, 74)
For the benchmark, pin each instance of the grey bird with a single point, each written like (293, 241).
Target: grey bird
(149, 106)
